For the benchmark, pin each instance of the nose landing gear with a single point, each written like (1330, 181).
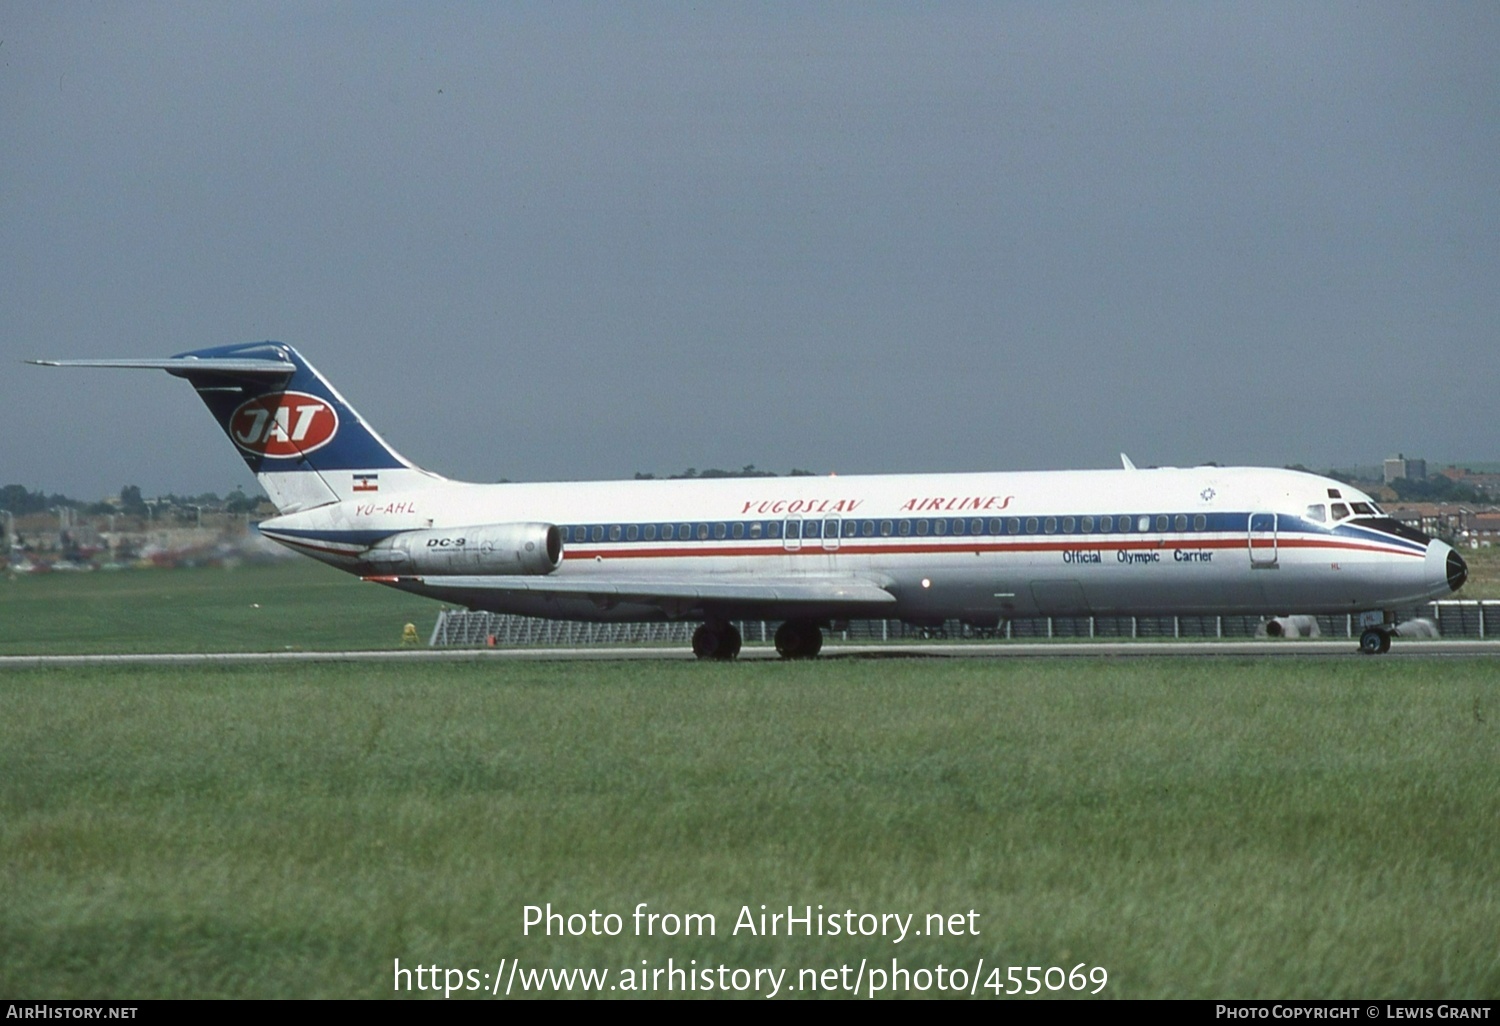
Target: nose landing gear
(1375, 641)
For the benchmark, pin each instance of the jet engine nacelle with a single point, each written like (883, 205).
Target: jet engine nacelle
(486, 549)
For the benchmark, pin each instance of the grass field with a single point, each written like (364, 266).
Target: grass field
(1199, 828)
(290, 605)
(1214, 827)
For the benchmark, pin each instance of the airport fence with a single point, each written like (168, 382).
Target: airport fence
(458, 628)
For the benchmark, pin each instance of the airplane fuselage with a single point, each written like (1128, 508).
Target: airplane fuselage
(976, 547)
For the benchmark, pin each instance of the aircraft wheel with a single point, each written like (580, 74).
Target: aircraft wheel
(799, 639)
(1375, 641)
(716, 641)
(729, 642)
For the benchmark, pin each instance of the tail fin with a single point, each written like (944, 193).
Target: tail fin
(303, 441)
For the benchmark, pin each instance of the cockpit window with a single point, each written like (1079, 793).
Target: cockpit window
(1364, 509)
(1318, 512)
(1340, 511)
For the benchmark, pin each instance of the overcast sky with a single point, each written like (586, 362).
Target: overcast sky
(561, 241)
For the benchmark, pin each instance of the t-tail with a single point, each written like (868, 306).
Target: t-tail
(303, 441)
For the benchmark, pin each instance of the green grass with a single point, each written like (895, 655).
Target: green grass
(1199, 827)
(293, 605)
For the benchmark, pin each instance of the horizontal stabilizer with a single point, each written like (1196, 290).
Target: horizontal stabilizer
(184, 365)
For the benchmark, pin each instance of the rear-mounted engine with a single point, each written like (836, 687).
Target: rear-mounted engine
(490, 549)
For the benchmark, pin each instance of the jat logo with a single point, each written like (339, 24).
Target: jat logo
(283, 424)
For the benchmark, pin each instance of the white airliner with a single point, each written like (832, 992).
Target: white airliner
(981, 548)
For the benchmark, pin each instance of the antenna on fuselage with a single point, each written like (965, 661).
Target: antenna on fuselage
(1126, 461)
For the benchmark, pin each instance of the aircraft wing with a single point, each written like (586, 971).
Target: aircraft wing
(670, 592)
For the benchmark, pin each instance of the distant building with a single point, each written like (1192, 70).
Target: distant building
(1399, 468)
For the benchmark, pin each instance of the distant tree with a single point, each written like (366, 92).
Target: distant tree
(131, 501)
(1434, 489)
(238, 502)
(19, 500)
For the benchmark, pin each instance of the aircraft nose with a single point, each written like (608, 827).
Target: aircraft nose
(1458, 570)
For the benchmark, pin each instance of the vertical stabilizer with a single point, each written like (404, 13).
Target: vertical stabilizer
(303, 441)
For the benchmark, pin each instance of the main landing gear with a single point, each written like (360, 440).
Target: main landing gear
(795, 639)
(716, 639)
(799, 639)
(1376, 640)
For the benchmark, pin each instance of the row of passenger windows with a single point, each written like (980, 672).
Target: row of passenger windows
(850, 528)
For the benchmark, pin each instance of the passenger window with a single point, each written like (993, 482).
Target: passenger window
(666, 532)
(1143, 524)
(649, 532)
(867, 528)
(1106, 524)
(1200, 522)
(631, 532)
(1086, 525)
(1013, 525)
(958, 526)
(905, 528)
(1161, 523)
(851, 528)
(940, 527)
(703, 532)
(755, 529)
(773, 529)
(614, 532)
(685, 532)
(1067, 525)
(1317, 512)
(720, 530)
(921, 527)
(976, 526)
(886, 527)
(995, 526)
(598, 532)
(1031, 525)
(1180, 522)
(1050, 526)
(737, 530)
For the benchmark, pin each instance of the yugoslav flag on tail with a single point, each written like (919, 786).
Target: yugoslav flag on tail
(304, 442)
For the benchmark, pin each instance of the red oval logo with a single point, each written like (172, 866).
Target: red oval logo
(283, 424)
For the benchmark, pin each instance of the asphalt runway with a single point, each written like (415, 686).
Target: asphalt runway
(1342, 648)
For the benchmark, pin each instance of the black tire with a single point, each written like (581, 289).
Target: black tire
(716, 641)
(706, 642)
(1374, 641)
(799, 639)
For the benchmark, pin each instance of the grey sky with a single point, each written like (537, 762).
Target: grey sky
(572, 241)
